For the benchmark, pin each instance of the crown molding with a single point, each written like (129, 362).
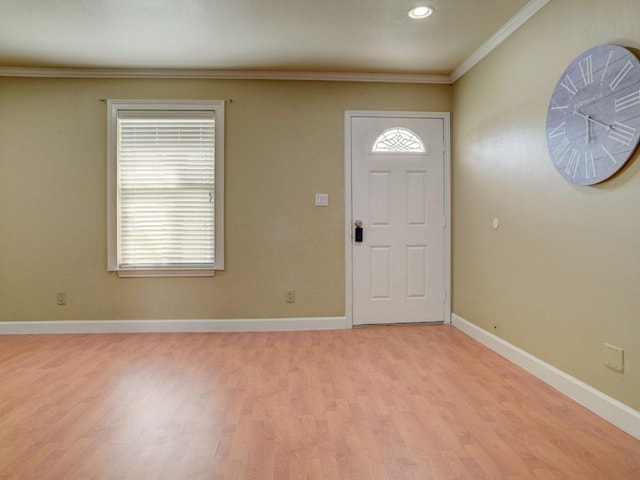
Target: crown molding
(221, 75)
(519, 19)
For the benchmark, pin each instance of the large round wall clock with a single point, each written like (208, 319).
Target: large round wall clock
(593, 120)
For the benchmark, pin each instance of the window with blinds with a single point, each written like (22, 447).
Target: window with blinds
(167, 186)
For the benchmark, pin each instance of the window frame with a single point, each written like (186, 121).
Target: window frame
(113, 108)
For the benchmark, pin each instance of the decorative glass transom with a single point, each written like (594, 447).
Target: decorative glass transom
(398, 140)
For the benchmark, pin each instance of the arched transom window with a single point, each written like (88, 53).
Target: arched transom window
(398, 140)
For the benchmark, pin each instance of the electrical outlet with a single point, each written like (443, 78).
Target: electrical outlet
(61, 298)
(614, 357)
(290, 296)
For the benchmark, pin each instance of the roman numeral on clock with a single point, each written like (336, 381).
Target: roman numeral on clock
(586, 69)
(589, 165)
(568, 84)
(623, 73)
(622, 133)
(606, 67)
(574, 160)
(627, 101)
(612, 161)
(561, 150)
(557, 131)
(556, 106)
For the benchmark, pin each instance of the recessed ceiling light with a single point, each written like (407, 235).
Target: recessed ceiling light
(421, 11)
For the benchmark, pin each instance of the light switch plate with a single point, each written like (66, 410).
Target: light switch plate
(322, 199)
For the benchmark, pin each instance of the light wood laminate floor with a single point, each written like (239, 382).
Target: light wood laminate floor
(405, 402)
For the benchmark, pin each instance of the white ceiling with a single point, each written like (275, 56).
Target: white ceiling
(349, 36)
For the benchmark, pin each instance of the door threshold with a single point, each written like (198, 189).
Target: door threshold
(398, 324)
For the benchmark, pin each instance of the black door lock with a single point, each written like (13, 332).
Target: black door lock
(358, 232)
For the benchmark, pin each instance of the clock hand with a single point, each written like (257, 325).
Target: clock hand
(588, 118)
(586, 127)
(606, 127)
(586, 131)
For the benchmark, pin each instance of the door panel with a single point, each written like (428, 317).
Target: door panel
(416, 198)
(417, 268)
(398, 270)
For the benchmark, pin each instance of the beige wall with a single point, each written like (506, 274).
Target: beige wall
(284, 143)
(561, 276)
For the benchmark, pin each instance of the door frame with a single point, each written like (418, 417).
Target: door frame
(348, 203)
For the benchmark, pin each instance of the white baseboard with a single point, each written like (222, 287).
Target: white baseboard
(149, 326)
(615, 412)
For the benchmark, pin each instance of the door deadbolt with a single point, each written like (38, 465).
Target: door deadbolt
(358, 231)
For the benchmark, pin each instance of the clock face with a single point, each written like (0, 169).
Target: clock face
(593, 120)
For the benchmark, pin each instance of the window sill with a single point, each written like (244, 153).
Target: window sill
(193, 272)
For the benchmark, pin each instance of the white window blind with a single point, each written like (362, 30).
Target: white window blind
(164, 188)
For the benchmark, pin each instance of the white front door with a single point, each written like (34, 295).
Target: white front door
(398, 272)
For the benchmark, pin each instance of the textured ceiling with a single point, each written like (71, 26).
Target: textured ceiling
(373, 36)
